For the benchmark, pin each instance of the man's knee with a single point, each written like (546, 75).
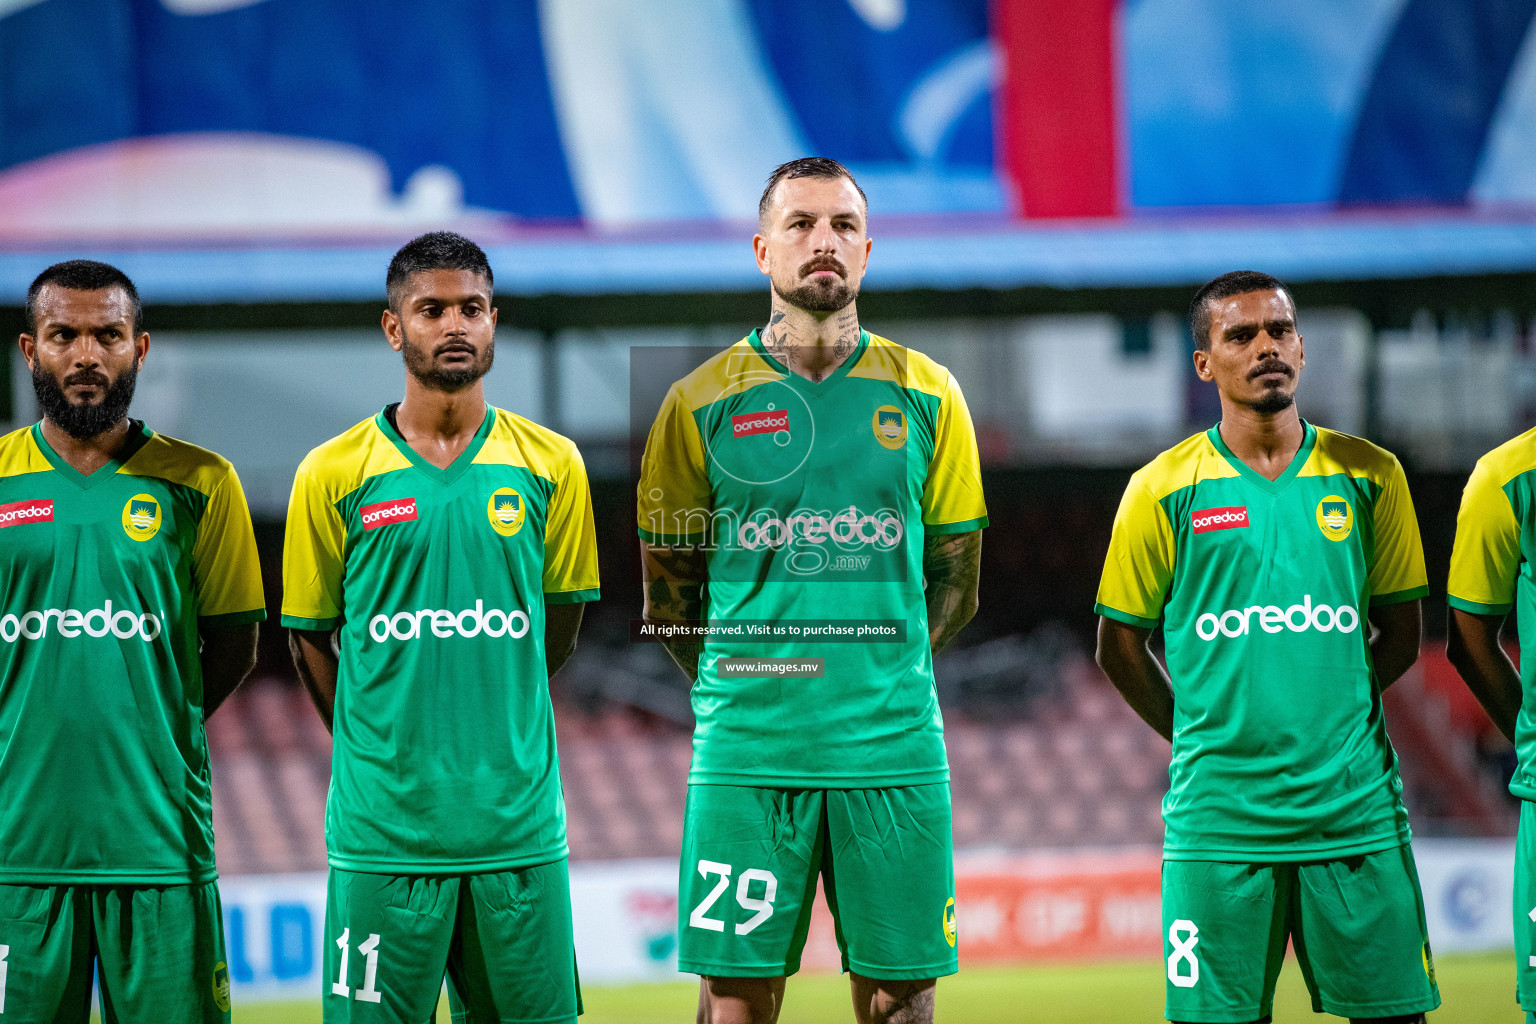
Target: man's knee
(740, 1000)
(893, 1002)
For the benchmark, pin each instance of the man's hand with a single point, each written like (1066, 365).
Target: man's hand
(315, 656)
(1126, 659)
(1472, 645)
(1398, 629)
(675, 578)
(228, 655)
(952, 569)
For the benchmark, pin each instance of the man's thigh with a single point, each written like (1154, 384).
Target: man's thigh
(747, 879)
(45, 954)
(160, 953)
(1360, 936)
(513, 958)
(1224, 931)
(386, 945)
(1525, 906)
(890, 881)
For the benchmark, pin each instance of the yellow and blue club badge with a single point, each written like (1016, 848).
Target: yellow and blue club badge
(1335, 518)
(506, 511)
(890, 425)
(141, 517)
(951, 934)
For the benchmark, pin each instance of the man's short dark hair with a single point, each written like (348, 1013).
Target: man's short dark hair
(435, 250)
(806, 167)
(1237, 282)
(83, 276)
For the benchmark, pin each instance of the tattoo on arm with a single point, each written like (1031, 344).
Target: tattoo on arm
(674, 592)
(952, 566)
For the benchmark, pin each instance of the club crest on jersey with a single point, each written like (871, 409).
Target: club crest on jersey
(770, 422)
(1334, 517)
(951, 935)
(506, 512)
(141, 517)
(401, 510)
(890, 425)
(18, 512)
(1232, 517)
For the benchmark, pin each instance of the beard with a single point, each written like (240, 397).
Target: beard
(1274, 401)
(435, 378)
(83, 421)
(819, 295)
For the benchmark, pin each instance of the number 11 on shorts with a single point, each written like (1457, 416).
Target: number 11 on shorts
(370, 951)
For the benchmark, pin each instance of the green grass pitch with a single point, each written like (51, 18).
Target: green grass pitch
(1476, 989)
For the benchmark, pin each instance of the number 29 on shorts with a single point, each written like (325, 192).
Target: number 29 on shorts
(762, 906)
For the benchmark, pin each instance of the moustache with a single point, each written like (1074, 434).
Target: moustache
(1271, 366)
(823, 263)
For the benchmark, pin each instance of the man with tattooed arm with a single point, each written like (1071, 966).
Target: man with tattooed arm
(810, 501)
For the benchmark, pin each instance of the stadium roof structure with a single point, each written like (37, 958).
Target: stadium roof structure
(996, 255)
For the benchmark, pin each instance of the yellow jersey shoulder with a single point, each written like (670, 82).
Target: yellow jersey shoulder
(19, 454)
(886, 360)
(1510, 459)
(178, 462)
(1336, 452)
(1185, 464)
(739, 368)
(518, 441)
(340, 465)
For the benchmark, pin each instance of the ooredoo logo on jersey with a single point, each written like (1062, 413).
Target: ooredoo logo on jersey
(401, 510)
(1207, 520)
(18, 512)
(770, 422)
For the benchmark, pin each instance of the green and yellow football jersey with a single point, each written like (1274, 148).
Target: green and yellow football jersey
(104, 582)
(444, 758)
(812, 500)
(1491, 571)
(1280, 752)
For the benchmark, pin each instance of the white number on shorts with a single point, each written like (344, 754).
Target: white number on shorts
(763, 906)
(4, 952)
(697, 918)
(1532, 960)
(1183, 950)
(370, 951)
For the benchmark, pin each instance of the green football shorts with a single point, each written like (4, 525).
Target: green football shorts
(751, 857)
(158, 949)
(1357, 924)
(502, 937)
(1525, 906)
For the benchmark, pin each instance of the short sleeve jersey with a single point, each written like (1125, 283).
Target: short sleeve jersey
(812, 501)
(105, 582)
(1491, 571)
(437, 579)
(1262, 588)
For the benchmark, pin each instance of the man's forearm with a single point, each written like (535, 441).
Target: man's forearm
(1472, 645)
(227, 657)
(1399, 630)
(952, 567)
(1125, 658)
(674, 592)
(314, 655)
